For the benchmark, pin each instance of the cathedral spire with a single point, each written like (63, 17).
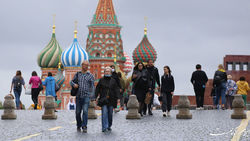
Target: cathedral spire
(105, 14)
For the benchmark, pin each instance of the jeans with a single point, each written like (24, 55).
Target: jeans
(82, 104)
(199, 94)
(107, 117)
(166, 102)
(17, 97)
(220, 92)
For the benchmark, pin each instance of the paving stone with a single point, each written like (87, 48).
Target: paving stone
(206, 125)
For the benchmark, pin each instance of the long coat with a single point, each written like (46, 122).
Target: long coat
(108, 86)
(49, 83)
(141, 84)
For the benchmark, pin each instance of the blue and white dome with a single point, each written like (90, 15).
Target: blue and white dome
(74, 55)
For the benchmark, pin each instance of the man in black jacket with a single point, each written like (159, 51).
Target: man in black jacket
(154, 77)
(199, 80)
(116, 77)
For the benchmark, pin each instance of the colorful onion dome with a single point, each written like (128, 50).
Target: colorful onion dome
(74, 55)
(144, 51)
(50, 55)
(59, 77)
(128, 65)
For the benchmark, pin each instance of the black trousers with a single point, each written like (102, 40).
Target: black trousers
(149, 106)
(199, 94)
(34, 96)
(166, 101)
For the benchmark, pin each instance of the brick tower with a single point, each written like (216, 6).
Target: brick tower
(48, 60)
(104, 43)
(72, 59)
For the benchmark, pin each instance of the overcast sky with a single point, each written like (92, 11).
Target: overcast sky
(183, 32)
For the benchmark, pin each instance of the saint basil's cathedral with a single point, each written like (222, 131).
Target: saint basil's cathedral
(104, 47)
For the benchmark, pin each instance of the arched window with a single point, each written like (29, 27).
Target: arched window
(97, 55)
(109, 55)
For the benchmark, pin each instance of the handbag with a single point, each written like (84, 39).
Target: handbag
(74, 91)
(40, 87)
(148, 98)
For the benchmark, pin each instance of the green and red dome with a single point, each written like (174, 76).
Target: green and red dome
(144, 51)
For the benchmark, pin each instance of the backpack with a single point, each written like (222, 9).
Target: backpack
(18, 83)
(217, 80)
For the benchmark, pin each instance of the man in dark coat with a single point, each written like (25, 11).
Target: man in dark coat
(199, 80)
(153, 78)
(116, 77)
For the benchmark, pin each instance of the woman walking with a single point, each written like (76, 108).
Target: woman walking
(16, 85)
(230, 92)
(167, 91)
(219, 83)
(108, 91)
(141, 84)
(35, 81)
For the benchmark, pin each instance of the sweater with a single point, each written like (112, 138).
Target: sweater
(243, 87)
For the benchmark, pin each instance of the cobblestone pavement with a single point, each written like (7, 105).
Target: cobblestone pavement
(214, 125)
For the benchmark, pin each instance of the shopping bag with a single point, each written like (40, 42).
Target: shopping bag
(28, 90)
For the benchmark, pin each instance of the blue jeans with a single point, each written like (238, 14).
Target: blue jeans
(221, 92)
(82, 104)
(107, 116)
(17, 97)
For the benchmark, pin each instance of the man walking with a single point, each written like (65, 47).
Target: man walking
(85, 87)
(116, 77)
(199, 80)
(153, 77)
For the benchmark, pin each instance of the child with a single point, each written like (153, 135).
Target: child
(243, 88)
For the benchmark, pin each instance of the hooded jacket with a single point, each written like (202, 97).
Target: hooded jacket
(243, 87)
(49, 83)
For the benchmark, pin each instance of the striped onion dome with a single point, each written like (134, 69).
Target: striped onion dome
(59, 77)
(144, 51)
(128, 65)
(74, 55)
(50, 55)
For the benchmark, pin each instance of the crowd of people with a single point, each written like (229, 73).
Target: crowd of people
(112, 89)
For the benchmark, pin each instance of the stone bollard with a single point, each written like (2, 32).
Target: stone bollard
(238, 107)
(91, 110)
(1, 105)
(183, 107)
(133, 106)
(49, 105)
(9, 108)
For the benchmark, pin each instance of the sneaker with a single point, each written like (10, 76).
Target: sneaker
(109, 129)
(198, 108)
(201, 108)
(164, 114)
(104, 130)
(78, 129)
(84, 129)
(168, 114)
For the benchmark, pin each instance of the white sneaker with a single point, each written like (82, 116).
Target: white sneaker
(198, 108)
(164, 114)
(201, 108)
(168, 114)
